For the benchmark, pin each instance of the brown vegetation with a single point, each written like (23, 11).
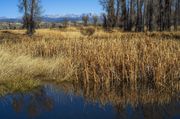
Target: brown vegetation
(107, 58)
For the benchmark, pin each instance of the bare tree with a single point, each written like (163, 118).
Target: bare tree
(139, 23)
(132, 15)
(23, 7)
(65, 22)
(95, 20)
(117, 12)
(105, 21)
(124, 14)
(31, 10)
(150, 14)
(110, 18)
(85, 19)
(176, 14)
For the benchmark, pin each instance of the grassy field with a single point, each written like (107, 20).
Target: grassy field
(103, 58)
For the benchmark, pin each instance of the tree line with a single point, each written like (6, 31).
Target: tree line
(141, 15)
(130, 15)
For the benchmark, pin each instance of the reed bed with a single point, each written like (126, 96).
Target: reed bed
(101, 58)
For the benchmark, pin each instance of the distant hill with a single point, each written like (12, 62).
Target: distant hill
(59, 18)
(52, 18)
(5, 19)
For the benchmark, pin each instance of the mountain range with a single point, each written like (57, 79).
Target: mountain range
(52, 18)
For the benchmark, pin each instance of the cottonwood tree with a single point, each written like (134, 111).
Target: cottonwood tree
(31, 10)
(85, 19)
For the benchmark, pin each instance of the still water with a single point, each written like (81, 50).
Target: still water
(71, 102)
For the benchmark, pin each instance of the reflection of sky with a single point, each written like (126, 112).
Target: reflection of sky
(50, 103)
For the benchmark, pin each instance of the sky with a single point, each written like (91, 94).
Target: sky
(8, 8)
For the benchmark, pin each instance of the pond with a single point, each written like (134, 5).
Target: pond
(68, 101)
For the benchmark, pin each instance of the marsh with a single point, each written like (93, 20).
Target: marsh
(72, 101)
(105, 76)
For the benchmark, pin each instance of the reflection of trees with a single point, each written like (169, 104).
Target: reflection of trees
(146, 100)
(34, 103)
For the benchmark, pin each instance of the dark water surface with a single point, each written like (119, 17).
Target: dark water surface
(68, 102)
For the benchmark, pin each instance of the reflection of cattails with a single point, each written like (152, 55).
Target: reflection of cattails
(33, 110)
(17, 104)
(48, 103)
(122, 94)
(143, 102)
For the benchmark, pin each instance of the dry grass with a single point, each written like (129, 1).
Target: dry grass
(101, 58)
(13, 66)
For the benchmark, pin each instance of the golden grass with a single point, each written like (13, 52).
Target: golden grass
(33, 68)
(103, 57)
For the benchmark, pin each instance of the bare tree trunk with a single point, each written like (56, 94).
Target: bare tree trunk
(145, 15)
(32, 23)
(25, 19)
(132, 13)
(117, 12)
(177, 15)
(167, 12)
(139, 15)
(151, 15)
(105, 22)
(111, 14)
(124, 15)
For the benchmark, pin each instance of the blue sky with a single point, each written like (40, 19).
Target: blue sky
(8, 8)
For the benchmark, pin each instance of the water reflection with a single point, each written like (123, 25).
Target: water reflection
(32, 103)
(97, 101)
